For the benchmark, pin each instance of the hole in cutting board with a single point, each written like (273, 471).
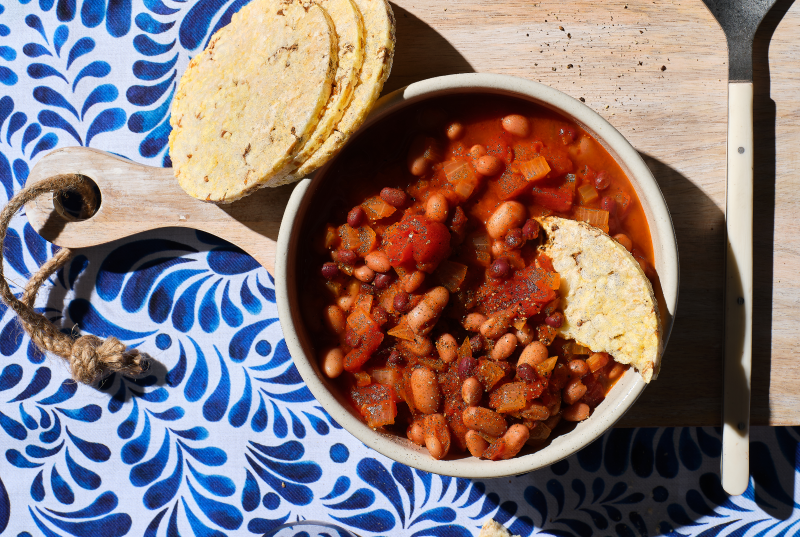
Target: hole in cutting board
(79, 205)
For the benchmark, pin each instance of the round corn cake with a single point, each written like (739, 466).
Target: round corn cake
(379, 28)
(609, 304)
(349, 28)
(248, 103)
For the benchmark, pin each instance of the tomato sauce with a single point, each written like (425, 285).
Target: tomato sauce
(428, 300)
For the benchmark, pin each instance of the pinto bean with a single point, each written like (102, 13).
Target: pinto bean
(425, 390)
(447, 347)
(494, 327)
(420, 346)
(364, 274)
(416, 433)
(476, 444)
(422, 318)
(524, 334)
(419, 166)
(455, 130)
(573, 391)
(514, 440)
(508, 215)
(378, 261)
(332, 362)
(335, 319)
(576, 412)
(437, 436)
(624, 240)
(484, 420)
(345, 302)
(517, 125)
(477, 151)
(488, 165)
(616, 372)
(472, 391)
(436, 208)
(473, 321)
(504, 347)
(577, 368)
(533, 354)
(412, 281)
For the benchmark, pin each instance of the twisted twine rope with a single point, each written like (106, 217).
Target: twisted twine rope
(89, 357)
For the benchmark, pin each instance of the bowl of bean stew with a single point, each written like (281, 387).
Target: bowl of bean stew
(412, 292)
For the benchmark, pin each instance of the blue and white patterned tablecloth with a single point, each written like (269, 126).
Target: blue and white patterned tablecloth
(223, 437)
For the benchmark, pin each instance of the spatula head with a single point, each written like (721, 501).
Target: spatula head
(739, 20)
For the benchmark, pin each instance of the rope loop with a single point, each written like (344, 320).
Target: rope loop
(90, 357)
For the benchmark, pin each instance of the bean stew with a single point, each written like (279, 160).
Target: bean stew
(428, 302)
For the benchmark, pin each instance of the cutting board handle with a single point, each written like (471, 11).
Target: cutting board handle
(738, 291)
(136, 198)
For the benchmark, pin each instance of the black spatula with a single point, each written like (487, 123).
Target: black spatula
(739, 19)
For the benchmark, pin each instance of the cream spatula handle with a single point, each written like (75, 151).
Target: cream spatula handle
(738, 291)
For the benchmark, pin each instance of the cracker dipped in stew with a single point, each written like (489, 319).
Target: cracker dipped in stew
(428, 296)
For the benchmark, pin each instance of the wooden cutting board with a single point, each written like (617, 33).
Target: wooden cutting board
(657, 71)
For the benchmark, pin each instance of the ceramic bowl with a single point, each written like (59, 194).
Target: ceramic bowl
(620, 398)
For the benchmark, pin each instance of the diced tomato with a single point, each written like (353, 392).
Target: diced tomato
(374, 393)
(527, 291)
(419, 238)
(544, 261)
(490, 373)
(557, 199)
(453, 411)
(558, 161)
(510, 185)
(496, 451)
(380, 414)
(509, 397)
(594, 391)
(357, 357)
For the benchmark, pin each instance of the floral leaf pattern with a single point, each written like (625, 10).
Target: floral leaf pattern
(223, 437)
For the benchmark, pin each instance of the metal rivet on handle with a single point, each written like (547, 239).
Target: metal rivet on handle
(741, 150)
(741, 426)
(740, 301)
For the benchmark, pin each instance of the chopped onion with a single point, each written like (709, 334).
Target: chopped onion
(534, 170)
(546, 367)
(376, 208)
(402, 331)
(483, 249)
(451, 274)
(587, 194)
(594, 217)
(574, 347)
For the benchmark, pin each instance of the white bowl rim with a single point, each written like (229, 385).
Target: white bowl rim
(627, 390)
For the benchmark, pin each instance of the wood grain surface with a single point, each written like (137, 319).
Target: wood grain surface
(658, 72)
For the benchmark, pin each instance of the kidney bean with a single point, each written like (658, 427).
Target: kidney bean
(476, 344)
(494, 327)
(422, 318)
(530, 230)
(330, 271)
(526, 373)
(601, 181)
(419, 346)
(466, 365)
(488, 165)
(364, 274)
(514, 440)
(624, 240)
(455, 130)
(395, 358)
(573, 391)
(347, 257)
(332, 362)
(509, 214)
(577, 368)
(608, 204)
(356, 216)
(555, 320)
(500, 269)
(576, 412)
(412, 281)
(416, 433)
(514, 238)
(436, 208)
(425, 390)
(378, 261)
(472, 391)
(504, 347)
(476, 444)
(401, 301)
(533, 354)
(477, 151)
(484, 420)
(382, 281)
(335, 319)
(473, 321)
(437, 436)
(517, 125)
(447, 347)
(394, 196)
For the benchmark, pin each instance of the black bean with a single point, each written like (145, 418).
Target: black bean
(466, 365)
(401, 301)
(530, 230)
(608, 204)
(348, 257)
(500, 268)
(526, 373)
(382, 281)
(601, 182)
(555, 320)
(394, 196)
(476, 343)
(395, 358)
